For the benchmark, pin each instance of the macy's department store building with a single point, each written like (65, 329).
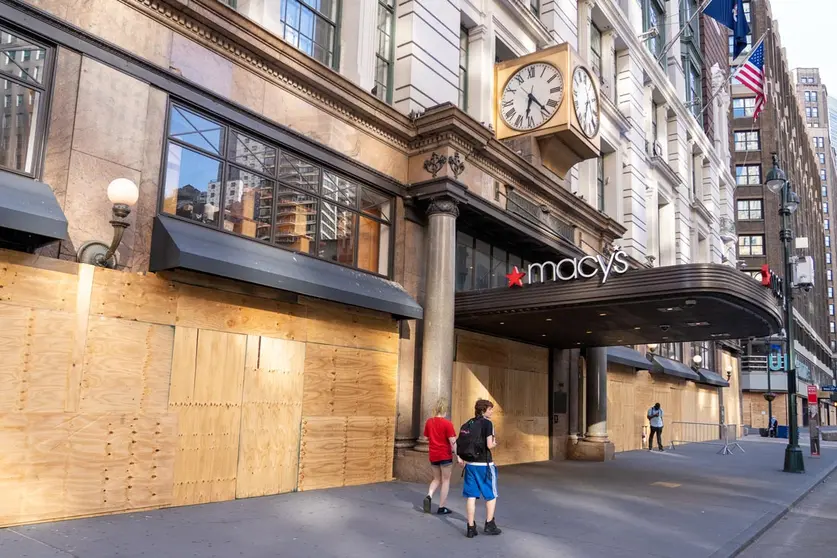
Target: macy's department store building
(303, 273)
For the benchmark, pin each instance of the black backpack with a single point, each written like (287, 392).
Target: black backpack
(470, 444)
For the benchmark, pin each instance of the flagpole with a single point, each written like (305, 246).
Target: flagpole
(682, 30)
(735, 73)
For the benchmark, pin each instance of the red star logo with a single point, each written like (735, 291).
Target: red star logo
(516, 277)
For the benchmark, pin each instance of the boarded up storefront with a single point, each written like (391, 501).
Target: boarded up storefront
(124, 392)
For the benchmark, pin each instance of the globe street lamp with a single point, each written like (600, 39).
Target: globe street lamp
(777, 182)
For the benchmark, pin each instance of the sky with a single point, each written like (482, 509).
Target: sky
(809, 36)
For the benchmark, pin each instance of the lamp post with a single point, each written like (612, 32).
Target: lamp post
(778, 183)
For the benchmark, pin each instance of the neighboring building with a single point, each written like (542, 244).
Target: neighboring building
(832, 121)
(812, 96)
(781, 129)
(329, 238)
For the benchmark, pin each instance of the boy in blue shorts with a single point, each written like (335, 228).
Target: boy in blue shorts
(480, 475)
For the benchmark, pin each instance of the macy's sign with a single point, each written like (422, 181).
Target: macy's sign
(571, 268)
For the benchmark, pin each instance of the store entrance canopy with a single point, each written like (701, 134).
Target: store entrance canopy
(692, 302)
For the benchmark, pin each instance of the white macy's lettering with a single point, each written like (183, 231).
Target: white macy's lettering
(573, 268)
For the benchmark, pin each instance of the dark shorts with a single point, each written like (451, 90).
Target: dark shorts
(441, 463)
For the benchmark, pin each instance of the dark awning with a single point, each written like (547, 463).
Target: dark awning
(179, 244)
(628, 357)
(689, 302)
(675, 368)
(711, 378)
(29, 213)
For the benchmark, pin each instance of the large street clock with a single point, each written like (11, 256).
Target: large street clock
(551, 96)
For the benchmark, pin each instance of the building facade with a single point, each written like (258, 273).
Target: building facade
(327, 238)
(781, 129)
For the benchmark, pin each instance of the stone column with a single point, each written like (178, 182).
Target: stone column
(595, 445)
(585, 17)
(438, 339)
(596, 411)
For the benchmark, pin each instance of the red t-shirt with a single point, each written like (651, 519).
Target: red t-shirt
(438, 431)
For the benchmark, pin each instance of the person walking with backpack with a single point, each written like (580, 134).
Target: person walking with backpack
(473, 447)
(655, 418)
(441, 441)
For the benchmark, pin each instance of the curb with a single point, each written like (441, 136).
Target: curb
(747, 537)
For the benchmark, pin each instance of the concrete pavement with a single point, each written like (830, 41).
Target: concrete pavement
(685, 503)
(809, 528)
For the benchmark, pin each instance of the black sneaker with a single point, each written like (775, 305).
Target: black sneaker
(472, 531)
(443, 511)
(491, 528)
(426, 504)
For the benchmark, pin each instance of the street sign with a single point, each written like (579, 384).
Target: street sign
(814, 420)
(828, 388)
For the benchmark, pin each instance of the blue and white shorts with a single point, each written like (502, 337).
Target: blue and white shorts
(480, 481)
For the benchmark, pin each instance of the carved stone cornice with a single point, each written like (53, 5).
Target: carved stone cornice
(224, 30)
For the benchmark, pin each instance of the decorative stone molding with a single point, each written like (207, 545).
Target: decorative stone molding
(187, 25)
(443, 205)
(435, 163)
(457, 166)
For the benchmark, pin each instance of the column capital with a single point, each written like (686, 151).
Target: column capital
(443, 205)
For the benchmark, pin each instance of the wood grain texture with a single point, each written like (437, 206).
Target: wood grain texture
(127, 367)
(340, 381)
(62, 465)
(144, 298)
(34, 287)
(333, 324)
(82, 309)
(36, 347)
(322, 452)
(271, 412)
(230, 312)
(210, 418)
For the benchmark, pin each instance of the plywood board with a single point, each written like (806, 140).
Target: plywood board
(61, 465)
(209, 309)
(22, 285)
(340, 381)
(470, 382)
(184, 366)
(333, 324)
(210, 418)
(131, 296)
(270, 421)
(322, 452)
(528, 357)
(127, 367)
(481, 349)
(36, 348)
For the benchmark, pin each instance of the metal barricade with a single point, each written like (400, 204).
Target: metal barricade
(724, 435)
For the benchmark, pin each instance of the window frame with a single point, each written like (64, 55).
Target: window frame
(600, 183)
(464, 38)
(535, 7)
(749, 210)
(390, 61)
(595, 56)
(747, 141)
(659, 42)
(748, 175)
(748, 111)
(46, 90)
(750, 245)
(229, 127)
(333, 22)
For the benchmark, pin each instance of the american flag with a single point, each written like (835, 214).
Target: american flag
(751, 76)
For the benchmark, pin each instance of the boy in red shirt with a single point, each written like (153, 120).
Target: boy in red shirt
(441, 441)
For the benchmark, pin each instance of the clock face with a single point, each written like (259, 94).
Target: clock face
(531, 96)
(585, 102)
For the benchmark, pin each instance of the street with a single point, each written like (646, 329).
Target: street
(809, 528)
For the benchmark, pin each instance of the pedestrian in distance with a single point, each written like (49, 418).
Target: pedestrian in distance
(655, 417)
(773, 428)
(441, 441)
(473, 449)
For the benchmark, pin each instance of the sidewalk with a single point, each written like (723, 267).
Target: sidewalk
(683, 503)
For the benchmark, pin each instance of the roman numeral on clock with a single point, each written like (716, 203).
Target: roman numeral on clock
(553, 77)
(552, 103)
(530, 122)
(518, 78)
(531, 71)
(507, 104)
(555, 90)
(510, 114)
